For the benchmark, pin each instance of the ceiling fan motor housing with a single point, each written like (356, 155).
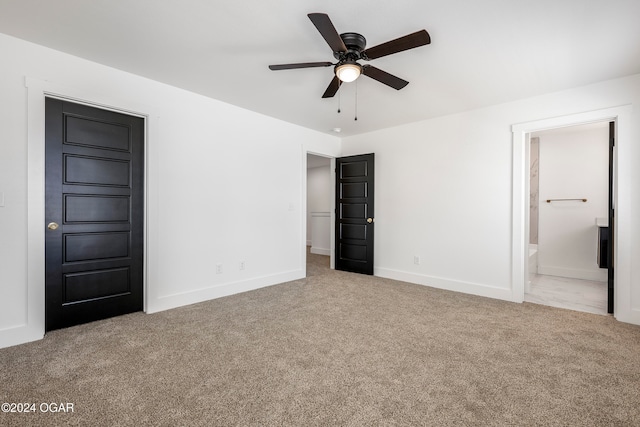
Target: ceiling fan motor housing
(355, 44)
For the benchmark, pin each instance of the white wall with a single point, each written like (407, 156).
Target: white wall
(319, 182)
(443, 189)
(574, 163)
(444, 192)
(224, 185)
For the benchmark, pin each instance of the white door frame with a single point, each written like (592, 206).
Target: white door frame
(621, 195)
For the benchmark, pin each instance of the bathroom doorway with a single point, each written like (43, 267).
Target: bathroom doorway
(569, 186)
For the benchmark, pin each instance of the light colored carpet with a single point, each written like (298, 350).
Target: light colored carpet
(334, 349)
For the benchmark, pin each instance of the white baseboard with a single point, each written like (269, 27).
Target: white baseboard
(320, 251)
(20, 334)
(447, 284)
(599, 275)
(631, 316)
(167, 302)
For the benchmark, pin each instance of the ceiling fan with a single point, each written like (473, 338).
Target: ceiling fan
(348, 48)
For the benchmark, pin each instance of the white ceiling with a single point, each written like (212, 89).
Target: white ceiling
(483, 52)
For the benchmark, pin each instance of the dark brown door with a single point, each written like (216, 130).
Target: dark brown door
(354, 213)
(612, 224)
(94, 213)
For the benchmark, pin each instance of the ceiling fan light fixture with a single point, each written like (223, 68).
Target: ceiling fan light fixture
(348, 71)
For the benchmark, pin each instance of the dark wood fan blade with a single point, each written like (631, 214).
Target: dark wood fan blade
(328, 31)
(333, 88)
(384, 77)
(419, 38)
(299, 65)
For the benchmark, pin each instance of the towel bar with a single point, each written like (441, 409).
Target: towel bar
(564, 200)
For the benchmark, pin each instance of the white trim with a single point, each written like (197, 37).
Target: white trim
(332, 225)
(37, 90)
(320, 251)
(446, 284)
(175, 300)
(302, 260)
(622, 196)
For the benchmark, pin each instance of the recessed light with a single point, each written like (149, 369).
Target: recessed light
(337, 130)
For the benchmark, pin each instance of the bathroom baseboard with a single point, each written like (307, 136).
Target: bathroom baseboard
(599, 275)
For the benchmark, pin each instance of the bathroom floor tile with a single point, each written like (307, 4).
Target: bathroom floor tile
(572, 294)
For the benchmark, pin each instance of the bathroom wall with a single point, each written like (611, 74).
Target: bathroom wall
(534, 185)
(573, 164)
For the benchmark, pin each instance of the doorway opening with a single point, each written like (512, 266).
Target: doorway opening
(621, 191)
(569, 200)
(319, 218)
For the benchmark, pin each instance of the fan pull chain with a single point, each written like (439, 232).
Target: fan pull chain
(356, 115)
(339, 84)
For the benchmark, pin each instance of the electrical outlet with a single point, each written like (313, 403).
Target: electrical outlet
(416, 260)
(218, 268)
(241, 266)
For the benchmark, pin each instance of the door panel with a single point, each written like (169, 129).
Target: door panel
(94, 194)
(89, 132)
(96, 171)
(354, 253)
(354, 210)
(96, 284)
(354, 231)
(95, 246)
(354, 213)
(353, 190)
(94, 208)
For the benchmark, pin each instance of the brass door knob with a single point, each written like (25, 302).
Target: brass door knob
(369, 220)
(52, 226)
